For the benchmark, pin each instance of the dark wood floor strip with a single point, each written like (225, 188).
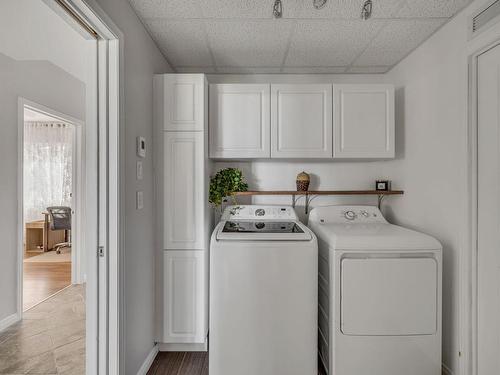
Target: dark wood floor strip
(184, 363)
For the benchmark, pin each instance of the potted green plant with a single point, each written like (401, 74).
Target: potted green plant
(224, 183)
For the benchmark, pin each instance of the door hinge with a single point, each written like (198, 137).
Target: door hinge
(100, 251)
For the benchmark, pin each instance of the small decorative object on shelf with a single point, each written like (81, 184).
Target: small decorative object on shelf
(383, 185)
(303, 180)
(225, 183)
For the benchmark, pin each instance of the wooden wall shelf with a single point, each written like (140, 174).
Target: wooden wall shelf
(309, 195)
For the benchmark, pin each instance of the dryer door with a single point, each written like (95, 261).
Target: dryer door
(389, 296)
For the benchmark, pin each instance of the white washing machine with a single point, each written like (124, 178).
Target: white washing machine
(379, 294)
(263, 293)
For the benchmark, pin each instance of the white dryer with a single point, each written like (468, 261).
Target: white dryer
(263, 293)
(379, 294)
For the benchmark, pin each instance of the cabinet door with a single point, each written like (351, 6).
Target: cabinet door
(183, 102)
(301, 121)
(184, 200)
(185, 305)
(239, 121)
(364, 121)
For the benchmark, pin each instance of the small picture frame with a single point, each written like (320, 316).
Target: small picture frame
(141, 147)
(382, 185)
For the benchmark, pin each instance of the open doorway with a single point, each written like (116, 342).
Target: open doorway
(51, 163)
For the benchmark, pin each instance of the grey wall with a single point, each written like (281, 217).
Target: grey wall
(142, 59)
(44, 83)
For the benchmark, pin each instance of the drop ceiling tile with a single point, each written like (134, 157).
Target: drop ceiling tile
(432, 8)
(183, 42)
(248, 70)
(350, 9)
(368, 69)
(166, 8)
(330, 43)
(314, 69)
(396, 40)
(195, 69)
(248, 8)
(249, 42)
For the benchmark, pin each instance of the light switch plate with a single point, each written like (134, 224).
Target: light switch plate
(140, 200)
(139, 170)
(141, 147)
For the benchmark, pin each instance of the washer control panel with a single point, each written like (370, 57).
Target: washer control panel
(250, 212)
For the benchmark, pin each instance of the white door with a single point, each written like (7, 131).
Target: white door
(488, 252)
(239, 121)
(183, 188)
(183, 102)
(301, 121)
(185, 304)
(364, 121)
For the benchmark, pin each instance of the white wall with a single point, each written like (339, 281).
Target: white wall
(432, 100)
(142, 59)
(28, 69)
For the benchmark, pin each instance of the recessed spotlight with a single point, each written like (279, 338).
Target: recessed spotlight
(366, 11)
(318, 4)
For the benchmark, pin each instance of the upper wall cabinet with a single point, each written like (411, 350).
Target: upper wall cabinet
(239, 121)
(301, 121)
(183, 102)
(364, 121)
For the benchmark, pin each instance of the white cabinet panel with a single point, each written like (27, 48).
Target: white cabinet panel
(364, 121)
(183, 102)
(301, 121)
(185, 299)
(184, 200)
(239, 121)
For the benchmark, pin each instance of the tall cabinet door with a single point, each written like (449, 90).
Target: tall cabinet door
(239, 121)
(183, 96)
(364, 121)
(185, 299)
(301, 121)
(183, 189)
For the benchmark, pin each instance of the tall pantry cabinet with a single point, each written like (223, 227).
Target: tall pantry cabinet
(184, 218)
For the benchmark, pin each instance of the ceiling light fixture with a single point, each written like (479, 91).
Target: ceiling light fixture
(366, 11)
(318, 4)
(278, 9)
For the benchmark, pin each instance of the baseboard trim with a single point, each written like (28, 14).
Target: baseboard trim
(201, 347)
(8, 321)
(446, 370)
(148, 361)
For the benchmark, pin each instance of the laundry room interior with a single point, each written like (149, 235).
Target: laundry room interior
(284, 187)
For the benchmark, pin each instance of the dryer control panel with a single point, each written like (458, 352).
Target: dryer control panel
(347, 214)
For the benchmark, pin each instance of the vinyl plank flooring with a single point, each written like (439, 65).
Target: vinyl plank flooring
(41, 280)
(185, 363)
(167, 363)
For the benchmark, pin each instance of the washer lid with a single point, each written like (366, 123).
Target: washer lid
(376, 236)
(249, 230)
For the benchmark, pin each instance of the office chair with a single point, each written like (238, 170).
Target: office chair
(60, 219)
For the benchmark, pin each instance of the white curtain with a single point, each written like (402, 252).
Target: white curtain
(47, 167)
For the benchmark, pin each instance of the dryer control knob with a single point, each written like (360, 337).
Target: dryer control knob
(350, 215)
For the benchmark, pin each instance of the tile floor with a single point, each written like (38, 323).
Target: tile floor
(50, 339)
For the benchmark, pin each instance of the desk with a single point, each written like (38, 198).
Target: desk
(39, 237)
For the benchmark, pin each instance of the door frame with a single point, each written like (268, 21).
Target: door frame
(105, 302)
(78, 165)
(469, 262)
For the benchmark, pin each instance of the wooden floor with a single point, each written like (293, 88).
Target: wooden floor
(41, 280)
(183, 363)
